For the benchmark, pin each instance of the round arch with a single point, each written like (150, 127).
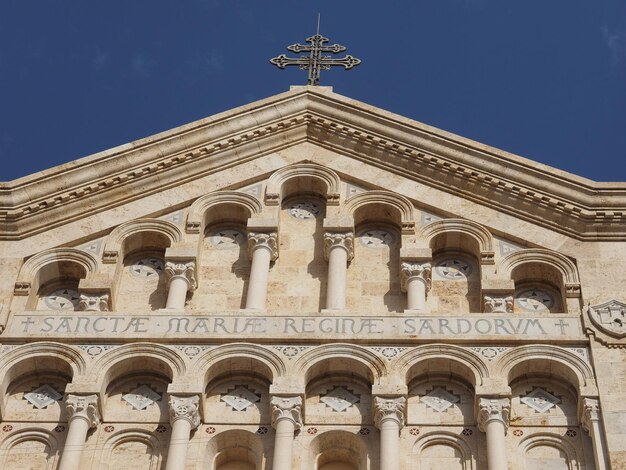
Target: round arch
(114, 241)
(30, 434)
(234, 444)
(538, 255)
(550, 440)
(130, 435)
(396, 202)
(196, 217)
(475, 231)
(447, 439)
(337, 445)
(325, 176)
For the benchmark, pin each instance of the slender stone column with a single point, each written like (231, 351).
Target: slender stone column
(286, 419)
(184, 417)
(591, 423)
(338, 250)
(181, 277)
(389, 418)
(415, 279)
(82, 415)
(493, 419)
(262, 249)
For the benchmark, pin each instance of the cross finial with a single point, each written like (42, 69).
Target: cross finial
(315, 62)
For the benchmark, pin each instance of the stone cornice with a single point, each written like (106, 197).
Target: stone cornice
(577, 207)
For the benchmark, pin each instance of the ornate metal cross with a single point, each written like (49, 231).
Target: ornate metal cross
(315, 62)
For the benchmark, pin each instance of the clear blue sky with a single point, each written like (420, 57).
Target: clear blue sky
(542, 79)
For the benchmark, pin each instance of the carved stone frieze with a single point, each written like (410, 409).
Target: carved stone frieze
(94, 302)
(389, 408)
(185, 407)
(415, 270)
(263, 240)
(287, 408)
(343, 240)
(83, 406)
(490, 409)
(609, 317)
(184, 270)
(498, 304)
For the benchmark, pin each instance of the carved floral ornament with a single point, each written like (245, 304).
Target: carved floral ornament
(498, 304)
(389, 408)
(493, 409)
(268, 241)
(287, 408)
(185, 270)
(185, 408)
(85, 407)
(410, 270)
(339, 240)
(609, 317)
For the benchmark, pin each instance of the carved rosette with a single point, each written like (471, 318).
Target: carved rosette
(263, 240)
(591, 413)
(287, 408)
(420, 271)
(498, 304)
(185, 408)
(181, 270)
(343, 240)
(94, 302)
(493, 409)
(85, 407)
(389, 408)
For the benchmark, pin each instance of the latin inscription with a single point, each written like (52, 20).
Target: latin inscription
(161, 325)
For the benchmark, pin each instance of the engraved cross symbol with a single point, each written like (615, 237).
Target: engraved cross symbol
(315, 61)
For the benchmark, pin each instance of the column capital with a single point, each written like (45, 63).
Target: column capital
(83, 406)
(182, 270)
(498, 303)
(186, 408)
(590, 413)
(409, 270)
(389, 408)
(344, 240)
(287, 408)
(94, 302)
(267, 240)
(493, 409)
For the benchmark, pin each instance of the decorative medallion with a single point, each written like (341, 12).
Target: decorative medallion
(93, 349)
(489, 352)
(467, 432)
(142, 397)
(147, 267)
(414, 431)
(304, 210)
(7, 428)
(609, 317)
(262, 430)
(518, 432)
(291, 351)
(389, 352)
(571, 433)
(540, 400)
(42, 396)
(161, 428)
(59, 428)
(240, 398)
(376, 238)
(428, 218)
(439, 399)
(364, 431)
(210, 430)
(109, 428)
(62, 299)
(192, 351)
(339, 399)
(455, 269)
(227, 239)
(312, 431)
(535, 300)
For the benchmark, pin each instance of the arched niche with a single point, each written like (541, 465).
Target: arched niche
(131, 449)
(140, 234)
(440, 400)
(382, 206)
(539, 288)
(235, 449)
(226, 206)
(548, 450)
(437, 450)
(303, 179)
(30, 448)
(339, 450)
(538, 400)
(462, 235)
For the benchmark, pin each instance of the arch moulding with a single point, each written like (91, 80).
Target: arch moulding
(474, 230)
(197, 211)
(273, 191)
(388, 198)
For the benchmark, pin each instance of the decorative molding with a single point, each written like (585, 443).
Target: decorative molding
(540, 400)
(389, 409)
(94, 350)
(498, 304)
(141, 397)
(339, 399)
(287, 408)
(609, 317)
(181, 270)
(415, 270)
(85, 407)
(439, 399)
(493, 409)
(94, 302)
(185, 407)
(43, 396)
(342, 240)
(192, 351)
(263, 240)
(240, 398)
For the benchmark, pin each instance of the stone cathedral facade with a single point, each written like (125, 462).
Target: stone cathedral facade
(308, 282)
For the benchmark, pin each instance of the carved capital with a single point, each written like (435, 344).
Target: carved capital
(591, 413)
(498, 304)
(185, 408)
(493, 409)
(415, 270)
(85, 407)
(339, 240)
(181, 270)
(268, 241)
(287, 408)
(94, 302)
(389, 408)
(21, 288)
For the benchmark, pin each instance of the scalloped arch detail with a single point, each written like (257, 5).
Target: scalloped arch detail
(197, 211)
(273, 191)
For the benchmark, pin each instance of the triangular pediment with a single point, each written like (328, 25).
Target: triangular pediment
(245, 145)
